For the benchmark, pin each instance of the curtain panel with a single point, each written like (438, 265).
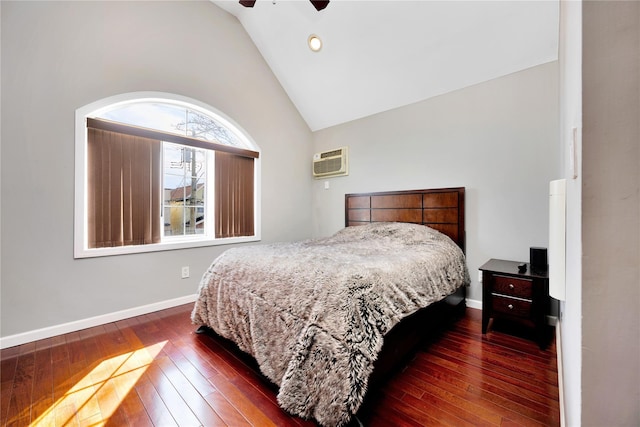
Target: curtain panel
(123, 189)
(234, 195)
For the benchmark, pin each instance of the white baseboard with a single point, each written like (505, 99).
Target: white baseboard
(65, 328)
(472, 303)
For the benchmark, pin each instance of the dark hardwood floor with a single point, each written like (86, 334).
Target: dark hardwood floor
(154, 370)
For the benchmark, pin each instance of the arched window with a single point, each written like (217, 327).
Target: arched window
(159, 171)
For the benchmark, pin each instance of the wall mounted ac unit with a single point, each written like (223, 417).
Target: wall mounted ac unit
(331, 163)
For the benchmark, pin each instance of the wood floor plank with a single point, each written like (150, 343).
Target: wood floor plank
(124, 367)
(240, 401)
(130, 376)
(480, 380)
(155, 407)
(59, 349)
(19, 407)
(544, 417)
(391, 417)
(229, 414)
(171, 397)
(498, 370)
(42, 390)
(229, 362)
(456, 401)
(65, 412)
(7, 375)
(489, 380)
(109, 403)
(191, 374)
(65, 415)
(200, 369)
(458, 343)
(135, 411)
(416, 415)
(83, 386)
(485, 380)
(245, 376)
(153, 370)
(194, 400)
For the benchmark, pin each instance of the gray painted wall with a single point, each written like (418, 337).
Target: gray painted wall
(58, 56)
(611, 214)
(498, 139)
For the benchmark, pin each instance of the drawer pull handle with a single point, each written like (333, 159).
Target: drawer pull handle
(511, 286)
(510, 306)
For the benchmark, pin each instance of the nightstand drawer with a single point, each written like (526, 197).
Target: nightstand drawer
(521, 288)
(511, 306)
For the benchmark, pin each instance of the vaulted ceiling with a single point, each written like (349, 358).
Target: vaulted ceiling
(379, 55)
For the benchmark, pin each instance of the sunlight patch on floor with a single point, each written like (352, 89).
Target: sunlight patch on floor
(101, 391)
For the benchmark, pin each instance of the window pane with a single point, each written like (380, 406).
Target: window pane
(163, 117)
(173, 119)
(184, 190)
(203, 127)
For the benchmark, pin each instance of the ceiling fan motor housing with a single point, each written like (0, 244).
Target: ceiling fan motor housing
(318, 4)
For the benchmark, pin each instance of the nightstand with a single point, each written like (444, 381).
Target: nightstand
(515, 296)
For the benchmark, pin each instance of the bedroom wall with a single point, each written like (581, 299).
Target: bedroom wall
(611, 213)
(498, 139)
(58, 56)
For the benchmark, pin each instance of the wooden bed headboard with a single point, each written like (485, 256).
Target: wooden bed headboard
(440, 208)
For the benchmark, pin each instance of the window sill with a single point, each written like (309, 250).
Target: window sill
(165, 246)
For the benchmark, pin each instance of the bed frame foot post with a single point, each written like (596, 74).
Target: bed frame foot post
(462, 307)
(203, 330)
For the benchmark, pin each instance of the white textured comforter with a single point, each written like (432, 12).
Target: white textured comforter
(313, 313)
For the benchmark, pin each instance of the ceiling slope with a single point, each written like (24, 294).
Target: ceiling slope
(380, 55)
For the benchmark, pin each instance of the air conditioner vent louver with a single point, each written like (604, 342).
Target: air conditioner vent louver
(330, 163)
(333, 153)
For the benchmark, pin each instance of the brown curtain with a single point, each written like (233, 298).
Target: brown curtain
(124, 174)
(234, 195)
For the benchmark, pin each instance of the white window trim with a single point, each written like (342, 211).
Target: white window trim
(80, 249)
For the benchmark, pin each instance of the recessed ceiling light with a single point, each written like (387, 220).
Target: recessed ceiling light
(315, 44)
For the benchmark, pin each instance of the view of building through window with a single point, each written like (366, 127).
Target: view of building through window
(184, 177)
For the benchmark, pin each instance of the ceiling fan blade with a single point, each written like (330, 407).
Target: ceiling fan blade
(319, 4)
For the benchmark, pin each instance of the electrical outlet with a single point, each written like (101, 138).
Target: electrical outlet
(185, 272)
(480, 276)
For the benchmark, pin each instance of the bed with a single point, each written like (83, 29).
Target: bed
(326, 318)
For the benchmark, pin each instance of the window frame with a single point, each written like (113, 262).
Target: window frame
(93, 109)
